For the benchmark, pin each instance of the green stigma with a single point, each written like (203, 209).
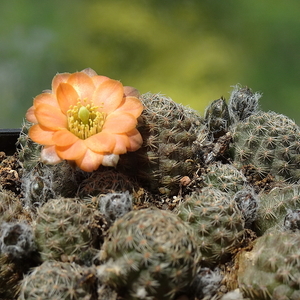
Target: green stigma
(84, 114)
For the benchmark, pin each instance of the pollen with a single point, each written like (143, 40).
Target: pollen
(85, 120)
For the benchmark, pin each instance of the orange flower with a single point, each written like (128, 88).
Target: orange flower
(86, 118)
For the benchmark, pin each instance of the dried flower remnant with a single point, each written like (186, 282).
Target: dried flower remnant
(86, 118)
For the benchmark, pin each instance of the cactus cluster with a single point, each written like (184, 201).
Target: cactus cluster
(180, 217)
(271, 270)
(217, 222)
(150, 253)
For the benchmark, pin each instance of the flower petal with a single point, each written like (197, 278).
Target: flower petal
(101, 142)
(66, 96)
(135, 140)
(90, 161)
(58, 79)
(108, 95)
(119, 122)
(131, 105)
(46, 98)
(50, 117)
(72, 152)
(83, 84)
(131, 91)
(64, 138)
(30, 115)
(89, 71)
(98, 79)
(49, 156)
(122, 143)
(41, 135)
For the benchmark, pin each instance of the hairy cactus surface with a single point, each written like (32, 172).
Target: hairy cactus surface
(11, 208)
(217, 118)
(150, 253)
(115, 205)
(44, 182)
(224, 177)
(29, 152)
(271, 270)
(242, 103)
(169, 131)
(247, 202)
(217, 222)
(292, 220)
(270, 143)
(16, 239)
(62, 229)
(275, 205)
(56, 280)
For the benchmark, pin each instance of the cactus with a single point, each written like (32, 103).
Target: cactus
(11, 208)
(150, 254)
(274, 207)
(44, 182)
(29, 152)
(217, 222)
(271, 270)
(57, 280)
(115, 205)
(224, 177)
(62, 229)
(106, 180)
(270, 143)
(169, 131)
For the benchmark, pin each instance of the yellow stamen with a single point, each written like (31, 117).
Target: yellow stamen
(85, 120)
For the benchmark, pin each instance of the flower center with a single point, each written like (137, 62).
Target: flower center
(85, 120)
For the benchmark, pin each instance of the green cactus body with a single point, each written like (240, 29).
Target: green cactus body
(217, 222)
(271, 270)
(29, 152)
(274, 206)
(56, 280)
(224, 177)
(62, 229)
(270, 143)
(169, 131)
(150, 253)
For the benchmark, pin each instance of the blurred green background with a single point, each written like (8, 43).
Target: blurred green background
(192, 51)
